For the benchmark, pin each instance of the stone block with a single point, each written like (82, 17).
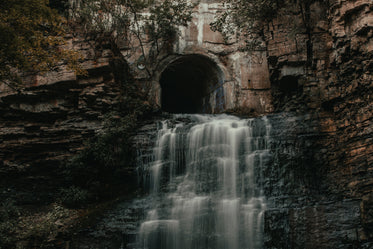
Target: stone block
(255, 74)
(257, 101)
(292, 71)
(211, 36)
(191, 32)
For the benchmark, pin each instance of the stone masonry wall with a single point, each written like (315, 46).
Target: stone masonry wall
(245, 78)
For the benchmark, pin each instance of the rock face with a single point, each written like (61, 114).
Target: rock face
(331, 80)
(302, 211)
(347, 96)
(49, 121)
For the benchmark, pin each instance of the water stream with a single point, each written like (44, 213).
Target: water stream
(205, 180)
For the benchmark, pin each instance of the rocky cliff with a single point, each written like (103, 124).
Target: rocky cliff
(347, 97)
(42, 127)
(326, 73)
(49, 120)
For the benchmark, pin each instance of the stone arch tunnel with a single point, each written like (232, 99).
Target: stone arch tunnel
(191, 84)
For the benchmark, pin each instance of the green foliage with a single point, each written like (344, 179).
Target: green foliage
(43, 227)
(164, 19)
(107, 160)
(73, 196)
(244, 17)
(124, 17)
(7, 228)
(22, 230)
(101, 17)
(31, 39)
(123, 20)
(104, 162)
(8, 210)
(9, 213)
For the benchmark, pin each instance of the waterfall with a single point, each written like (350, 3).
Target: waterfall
(205, 180)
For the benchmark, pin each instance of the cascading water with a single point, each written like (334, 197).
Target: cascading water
(206, 184)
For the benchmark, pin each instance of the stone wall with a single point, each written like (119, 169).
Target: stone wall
(245, 78)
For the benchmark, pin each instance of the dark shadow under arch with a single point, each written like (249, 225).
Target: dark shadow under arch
(187, 83)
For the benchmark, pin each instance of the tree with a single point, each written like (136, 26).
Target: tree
(244, 17)
(31, 40)
(126, 21)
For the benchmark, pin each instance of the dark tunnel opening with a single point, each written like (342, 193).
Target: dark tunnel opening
(187, 83)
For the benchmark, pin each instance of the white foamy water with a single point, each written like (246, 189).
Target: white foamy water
(206, 178)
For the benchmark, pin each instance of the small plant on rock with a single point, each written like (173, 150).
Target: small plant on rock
(73, 196)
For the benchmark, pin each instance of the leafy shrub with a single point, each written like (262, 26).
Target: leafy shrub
(243, 17)
(6, 229)
(8, 210)
(39, 229)
(107, 158)
(73, 196)
(9, 213)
